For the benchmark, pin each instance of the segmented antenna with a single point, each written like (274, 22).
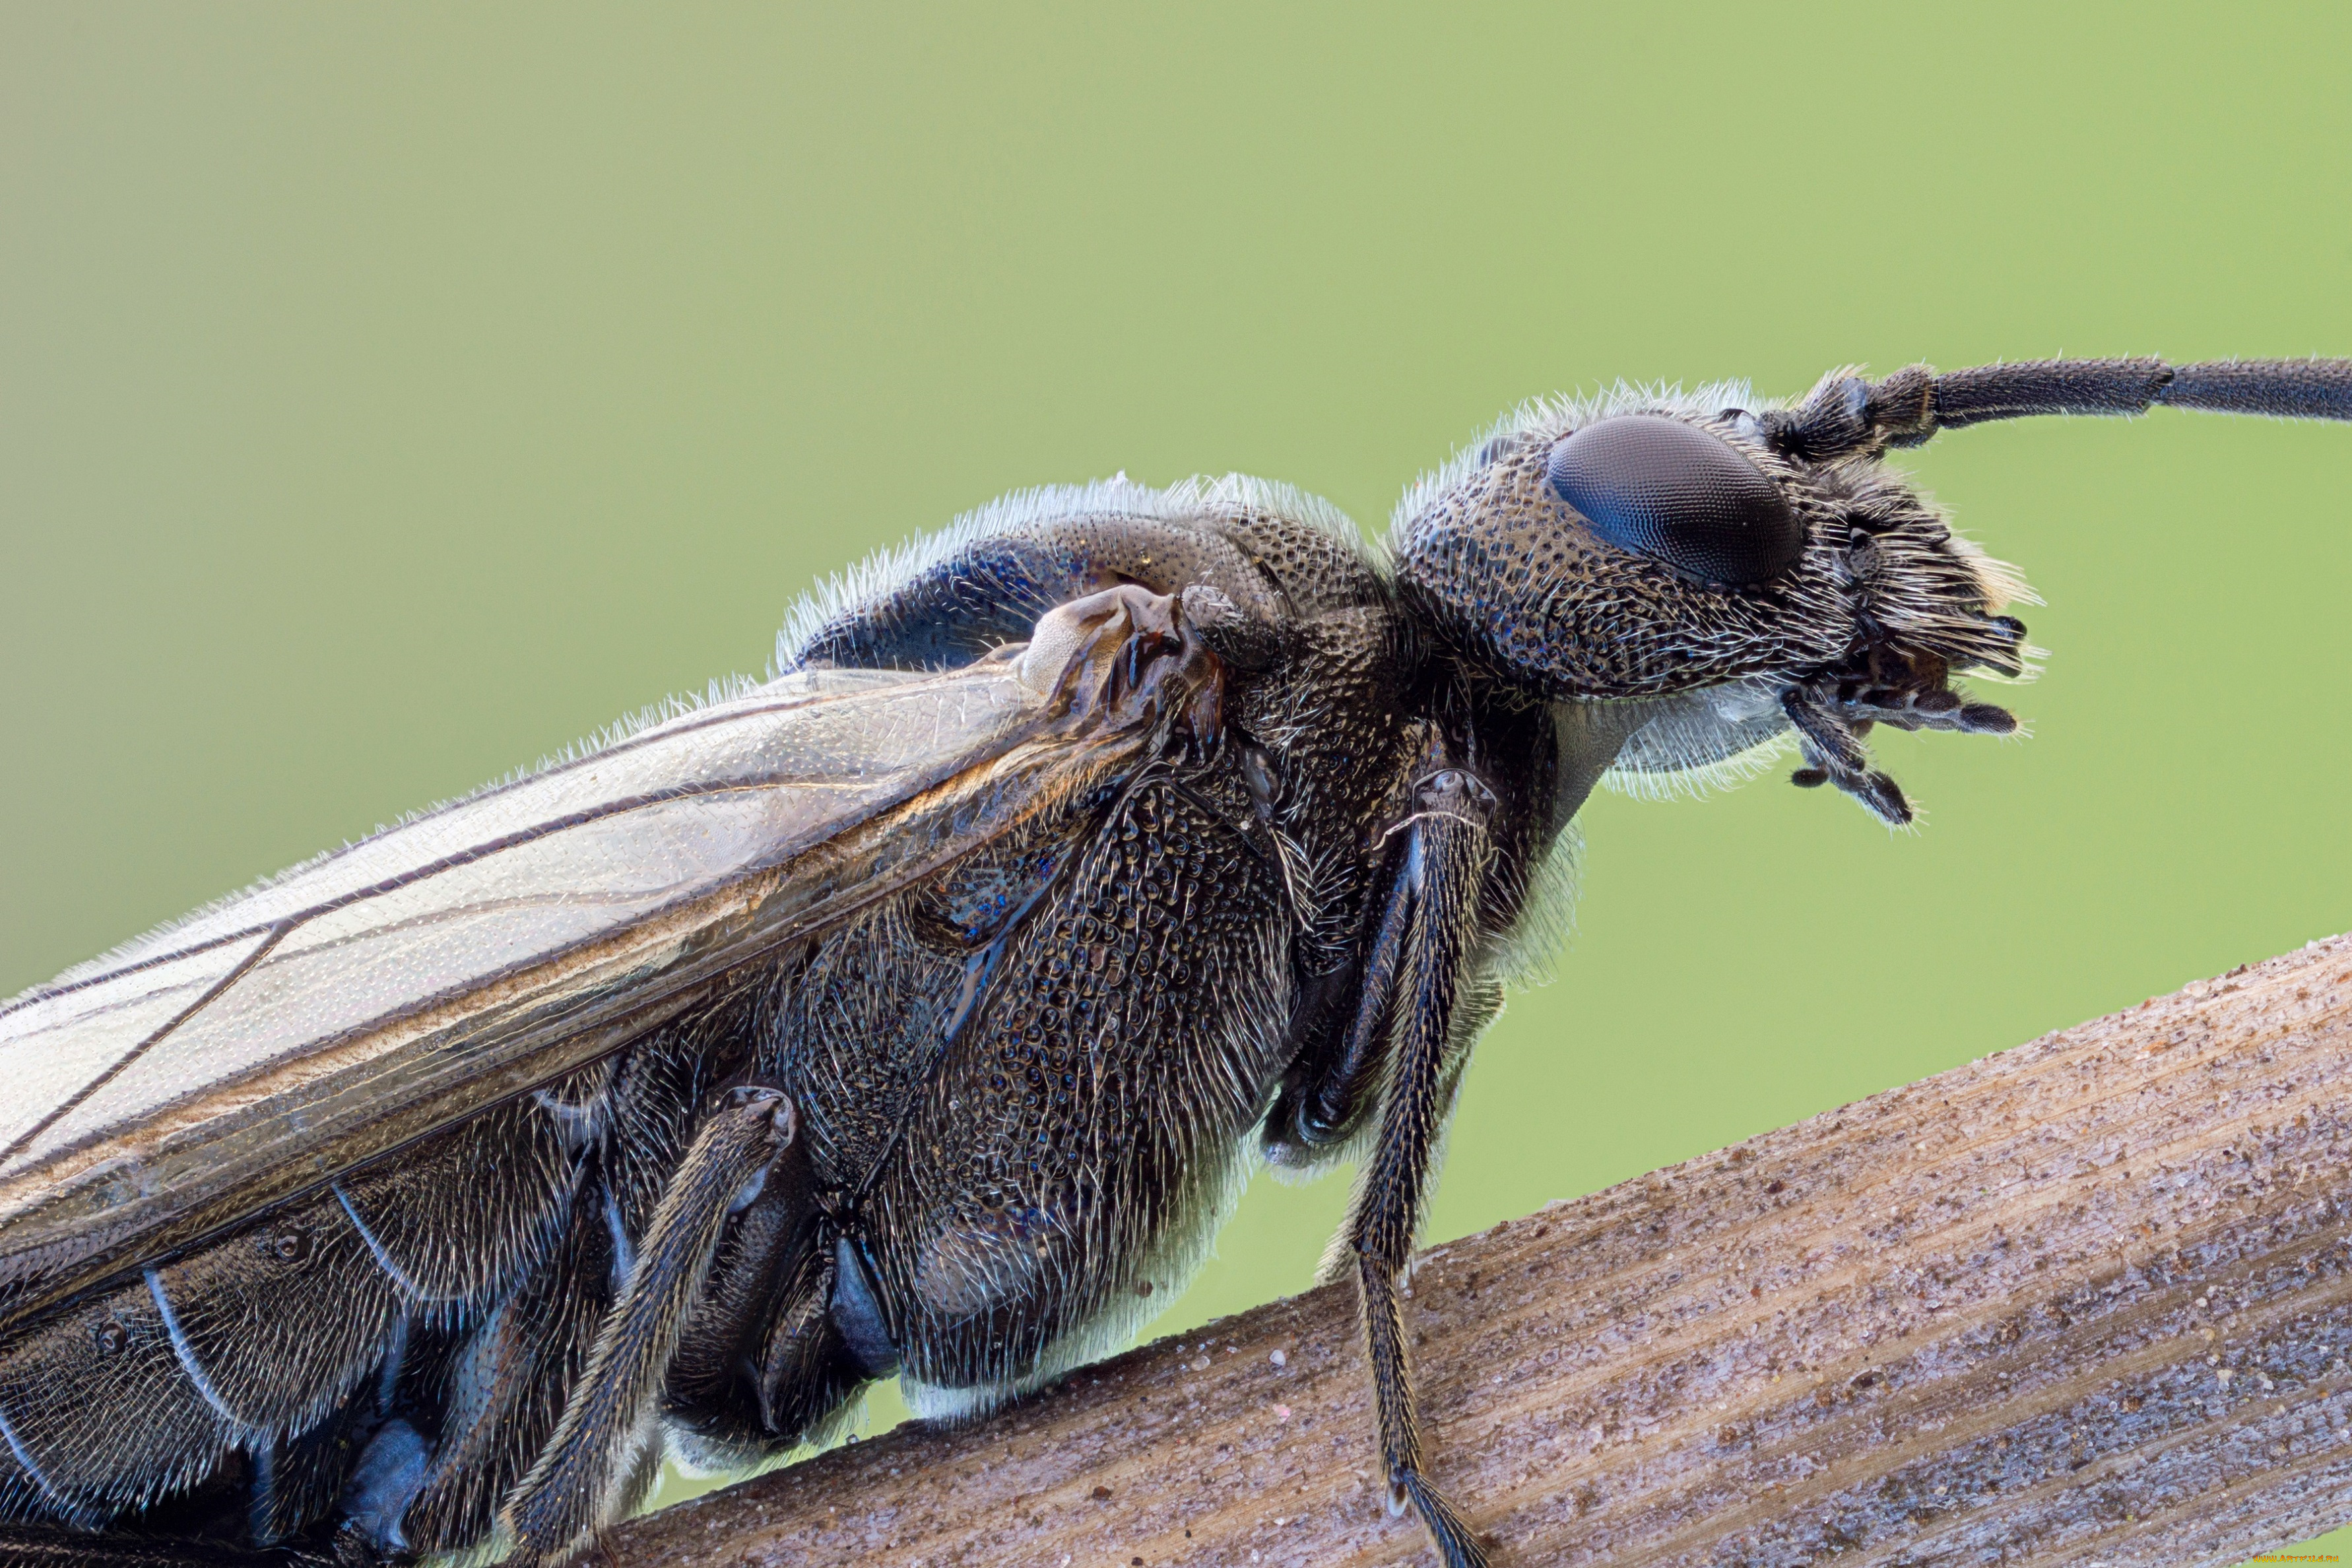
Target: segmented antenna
(1846, 416)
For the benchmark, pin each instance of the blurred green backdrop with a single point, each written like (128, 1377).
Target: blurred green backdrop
(389, 397)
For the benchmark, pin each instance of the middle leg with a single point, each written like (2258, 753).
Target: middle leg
(1442, 866)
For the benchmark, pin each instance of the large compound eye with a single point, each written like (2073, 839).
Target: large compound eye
(1679, 495)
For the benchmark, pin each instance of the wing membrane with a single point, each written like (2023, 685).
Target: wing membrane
(378, 994)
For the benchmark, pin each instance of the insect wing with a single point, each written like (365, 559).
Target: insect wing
(391, 988)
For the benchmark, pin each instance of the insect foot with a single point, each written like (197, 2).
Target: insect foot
(1127, 657)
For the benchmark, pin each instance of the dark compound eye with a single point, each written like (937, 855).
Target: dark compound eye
(1679, 495)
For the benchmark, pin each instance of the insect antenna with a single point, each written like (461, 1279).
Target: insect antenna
(1846, 416)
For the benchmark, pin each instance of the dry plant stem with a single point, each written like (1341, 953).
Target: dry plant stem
(2089, 1300)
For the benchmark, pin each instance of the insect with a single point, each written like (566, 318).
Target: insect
(922, 1009)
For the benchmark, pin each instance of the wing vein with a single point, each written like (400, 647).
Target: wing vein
(689, 725)
(455, 860)
(74, 1101)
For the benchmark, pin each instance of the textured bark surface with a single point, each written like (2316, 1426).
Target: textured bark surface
(2089, 1300)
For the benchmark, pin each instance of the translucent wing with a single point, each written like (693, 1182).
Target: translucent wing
(375, 994)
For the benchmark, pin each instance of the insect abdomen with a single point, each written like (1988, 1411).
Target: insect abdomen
(257, 1341)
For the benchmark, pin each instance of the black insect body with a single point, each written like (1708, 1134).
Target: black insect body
(923, 1009)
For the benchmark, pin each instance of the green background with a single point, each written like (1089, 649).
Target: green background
(390, 397)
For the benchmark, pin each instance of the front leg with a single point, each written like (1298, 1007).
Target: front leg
(1441, 866)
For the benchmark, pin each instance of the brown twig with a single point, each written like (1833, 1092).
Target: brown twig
(2089, 1300)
